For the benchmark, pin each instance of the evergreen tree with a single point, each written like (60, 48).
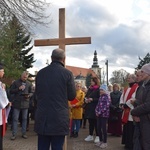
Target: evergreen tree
(143, 61)
(88, 80)
(15, 48)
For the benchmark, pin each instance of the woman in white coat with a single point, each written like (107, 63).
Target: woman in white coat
(3, 103)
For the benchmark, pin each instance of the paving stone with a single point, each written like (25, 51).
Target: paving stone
(114, 143)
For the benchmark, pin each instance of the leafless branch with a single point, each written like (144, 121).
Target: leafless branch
(28, 12)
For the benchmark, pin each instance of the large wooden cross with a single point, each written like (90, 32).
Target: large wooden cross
(62, 41)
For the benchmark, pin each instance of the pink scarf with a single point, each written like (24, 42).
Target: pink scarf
(94, 87)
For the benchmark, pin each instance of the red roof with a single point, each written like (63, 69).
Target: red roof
(80, 71)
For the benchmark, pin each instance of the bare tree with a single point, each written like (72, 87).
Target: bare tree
(119, 76)
(26, 11)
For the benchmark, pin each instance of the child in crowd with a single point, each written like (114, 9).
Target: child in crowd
(77, 111)
(102, 113)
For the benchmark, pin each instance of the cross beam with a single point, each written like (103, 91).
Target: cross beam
(62, 41)
(66, 41)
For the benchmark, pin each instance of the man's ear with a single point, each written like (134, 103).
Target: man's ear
(63, 60)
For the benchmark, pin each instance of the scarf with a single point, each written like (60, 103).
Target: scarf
(127, 110)
(94, 87)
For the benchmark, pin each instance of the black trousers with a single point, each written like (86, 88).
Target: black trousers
(92, 126)
(45, 141)
(127, 136)
(102, 128)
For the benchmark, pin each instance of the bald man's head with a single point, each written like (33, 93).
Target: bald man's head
(58, 55)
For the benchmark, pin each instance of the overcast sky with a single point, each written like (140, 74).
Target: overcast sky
(119, 30)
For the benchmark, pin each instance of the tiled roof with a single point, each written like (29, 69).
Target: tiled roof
(80, 71)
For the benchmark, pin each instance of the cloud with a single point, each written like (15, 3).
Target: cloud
(119, 32)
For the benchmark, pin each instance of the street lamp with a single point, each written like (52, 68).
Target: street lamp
(106, 63)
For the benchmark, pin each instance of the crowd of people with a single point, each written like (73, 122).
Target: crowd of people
(61, 106)
(118, 112)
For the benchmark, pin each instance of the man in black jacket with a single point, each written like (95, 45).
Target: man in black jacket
(54, 87)
(21, 91)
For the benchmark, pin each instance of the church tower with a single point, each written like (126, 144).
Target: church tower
(95, 66)
(95, 61)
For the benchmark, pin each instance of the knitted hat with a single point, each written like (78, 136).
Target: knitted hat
(104, 87)
(146, 68)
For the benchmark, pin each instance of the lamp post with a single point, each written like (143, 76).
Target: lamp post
(106, 63)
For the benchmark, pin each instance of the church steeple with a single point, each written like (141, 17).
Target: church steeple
(95, 61)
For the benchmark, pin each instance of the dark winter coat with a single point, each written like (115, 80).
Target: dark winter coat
(18, 100)
(115, 101)
(90, 107)
(115, 98)
(54, 87)
(143, 111)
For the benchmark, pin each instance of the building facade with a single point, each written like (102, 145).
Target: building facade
(80, 74)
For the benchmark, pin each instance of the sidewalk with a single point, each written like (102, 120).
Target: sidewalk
(72, 143)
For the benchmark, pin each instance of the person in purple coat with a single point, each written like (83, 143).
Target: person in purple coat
(102, 113)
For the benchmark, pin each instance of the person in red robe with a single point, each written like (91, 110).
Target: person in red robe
(127, 120)
(3, 103)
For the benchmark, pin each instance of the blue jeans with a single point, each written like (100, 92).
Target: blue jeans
(45, 141)
(76, 123)
(16, 113)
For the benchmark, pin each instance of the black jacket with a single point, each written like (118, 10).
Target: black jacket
(115, 101)
(54, 87)
(90, 107)
(17, 98)
(143, 111)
